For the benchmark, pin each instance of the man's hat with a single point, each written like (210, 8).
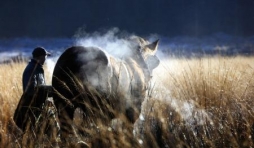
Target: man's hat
(40, 51)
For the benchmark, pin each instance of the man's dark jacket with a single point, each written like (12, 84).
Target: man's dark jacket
(33, 76)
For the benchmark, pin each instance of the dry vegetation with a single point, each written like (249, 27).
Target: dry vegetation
(206, 102)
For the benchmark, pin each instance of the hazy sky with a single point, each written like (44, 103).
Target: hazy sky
(62, 18)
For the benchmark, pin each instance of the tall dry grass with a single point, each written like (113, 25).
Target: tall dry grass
(214, 98)
(204, 102)
(10, 92)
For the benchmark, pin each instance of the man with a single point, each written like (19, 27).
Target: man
(35, 90)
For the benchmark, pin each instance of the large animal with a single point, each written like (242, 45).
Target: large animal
(94, 81)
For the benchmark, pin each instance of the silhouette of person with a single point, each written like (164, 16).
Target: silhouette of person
(35, 90)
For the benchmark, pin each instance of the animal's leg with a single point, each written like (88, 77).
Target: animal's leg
(65, 116)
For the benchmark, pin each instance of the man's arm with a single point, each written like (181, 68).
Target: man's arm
(29, 82)
(46, 88)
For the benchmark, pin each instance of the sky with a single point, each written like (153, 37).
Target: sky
(65, 18)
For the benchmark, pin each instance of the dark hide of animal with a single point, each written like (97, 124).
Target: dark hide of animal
(101, 85)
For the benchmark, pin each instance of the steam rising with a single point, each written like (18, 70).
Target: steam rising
(111, 42)
(189, 112)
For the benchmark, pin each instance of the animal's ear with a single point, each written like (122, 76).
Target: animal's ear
(153, 46)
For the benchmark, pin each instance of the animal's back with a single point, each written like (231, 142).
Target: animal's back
(74, 67)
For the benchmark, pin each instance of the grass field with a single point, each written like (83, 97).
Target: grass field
(201, 102)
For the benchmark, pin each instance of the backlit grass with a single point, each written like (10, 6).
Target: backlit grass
(201, 102)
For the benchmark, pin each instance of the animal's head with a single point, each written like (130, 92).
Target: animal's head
(146, 50)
